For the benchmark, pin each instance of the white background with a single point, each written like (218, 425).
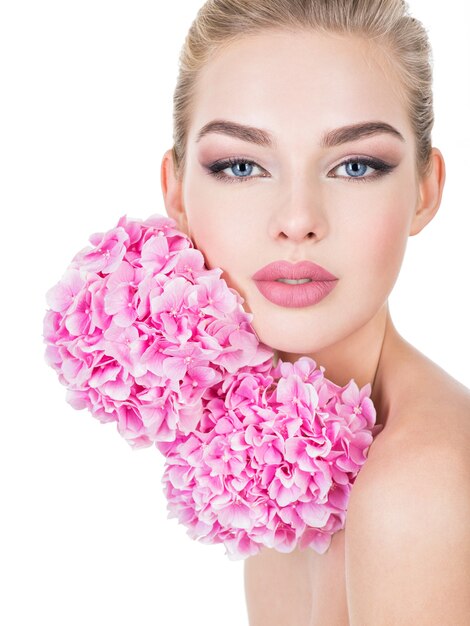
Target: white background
(86, 115)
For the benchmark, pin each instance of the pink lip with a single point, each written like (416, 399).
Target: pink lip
(306, 294)
(284, 269)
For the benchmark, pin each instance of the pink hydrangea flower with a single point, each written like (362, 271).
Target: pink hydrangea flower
(142, 334)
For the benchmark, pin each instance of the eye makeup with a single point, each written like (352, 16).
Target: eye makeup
(381, 168)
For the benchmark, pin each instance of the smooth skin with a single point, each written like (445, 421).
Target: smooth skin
(295, 202)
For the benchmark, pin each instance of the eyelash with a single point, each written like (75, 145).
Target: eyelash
(381, 169)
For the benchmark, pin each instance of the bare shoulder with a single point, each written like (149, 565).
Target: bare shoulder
(441, 394)
(407, 532)
(432, 407)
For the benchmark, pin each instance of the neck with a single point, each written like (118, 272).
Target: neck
(360, 356)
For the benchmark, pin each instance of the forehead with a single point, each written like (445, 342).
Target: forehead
(296, 80)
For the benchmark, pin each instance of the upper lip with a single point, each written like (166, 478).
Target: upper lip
(284, 269)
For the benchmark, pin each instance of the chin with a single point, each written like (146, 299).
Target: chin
(283, 341)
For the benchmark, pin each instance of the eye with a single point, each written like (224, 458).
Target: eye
(241, 168)
(356, 167)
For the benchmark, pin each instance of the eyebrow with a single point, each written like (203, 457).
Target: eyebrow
(329, 139)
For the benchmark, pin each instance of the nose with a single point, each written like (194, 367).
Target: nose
(300, 214)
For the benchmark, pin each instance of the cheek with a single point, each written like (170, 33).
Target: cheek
(216, 226)
(379, 250)
(391, 236)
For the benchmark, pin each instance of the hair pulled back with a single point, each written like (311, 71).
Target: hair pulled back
(386, 23)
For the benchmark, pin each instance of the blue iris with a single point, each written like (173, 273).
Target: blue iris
(356, 165)
(245, 168)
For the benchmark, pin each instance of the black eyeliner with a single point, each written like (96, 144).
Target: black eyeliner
(381, 168)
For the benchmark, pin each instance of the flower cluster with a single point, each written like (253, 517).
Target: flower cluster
(143, 334)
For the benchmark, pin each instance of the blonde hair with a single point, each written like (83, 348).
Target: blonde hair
(402, 39)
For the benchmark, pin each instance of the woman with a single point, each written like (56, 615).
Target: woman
(303, 133)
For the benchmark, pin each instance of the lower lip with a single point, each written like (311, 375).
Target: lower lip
(303, 294)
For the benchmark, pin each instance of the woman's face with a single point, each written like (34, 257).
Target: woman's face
(298, 198)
